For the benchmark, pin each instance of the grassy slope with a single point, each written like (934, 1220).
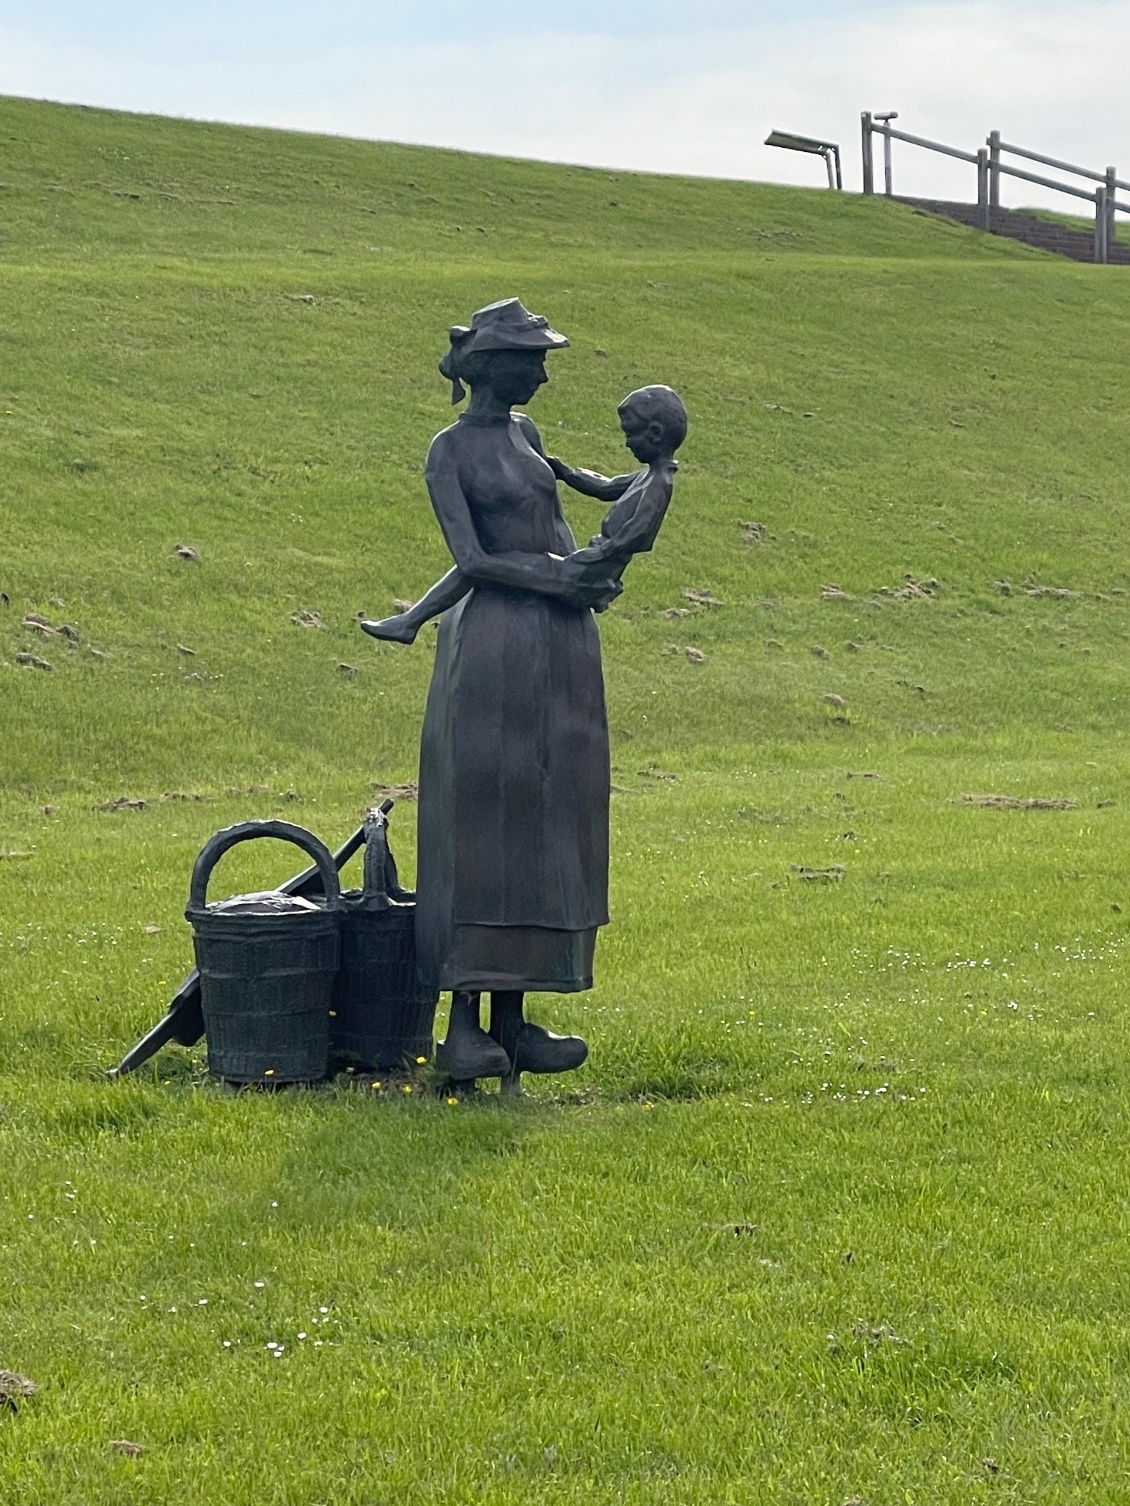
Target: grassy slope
(923, 1065)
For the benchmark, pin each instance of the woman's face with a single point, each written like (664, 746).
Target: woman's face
(515, 375)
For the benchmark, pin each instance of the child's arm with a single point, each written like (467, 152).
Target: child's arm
(404, 627)
(591, 483)
(600, 550)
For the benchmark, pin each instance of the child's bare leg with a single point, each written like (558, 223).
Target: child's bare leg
(404, 627)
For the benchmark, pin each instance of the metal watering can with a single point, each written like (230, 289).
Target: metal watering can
(245, 997)
(267, 965)
(381, 1017)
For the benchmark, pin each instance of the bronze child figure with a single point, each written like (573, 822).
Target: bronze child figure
(654, 422)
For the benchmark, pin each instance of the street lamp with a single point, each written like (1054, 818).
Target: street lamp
(826, 149)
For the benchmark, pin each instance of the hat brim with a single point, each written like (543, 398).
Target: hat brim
(519, 339)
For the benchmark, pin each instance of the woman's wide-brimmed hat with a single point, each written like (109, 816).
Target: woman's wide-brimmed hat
(506, 325)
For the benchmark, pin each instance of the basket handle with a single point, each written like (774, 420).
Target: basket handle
(215, 847)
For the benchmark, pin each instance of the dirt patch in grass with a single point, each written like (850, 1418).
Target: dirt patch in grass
(408, 791)
(834, 874)
(15, 1388)
(1014, 803)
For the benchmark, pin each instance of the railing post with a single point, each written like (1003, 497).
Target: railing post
(1101, 222)
(1111, 197)
(983, 189)
(995, 169)
(868, 161)
(888, 177)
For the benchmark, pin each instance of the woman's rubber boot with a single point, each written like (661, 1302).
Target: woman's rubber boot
(506, 1022)
(467, 1051)
(539, 1050)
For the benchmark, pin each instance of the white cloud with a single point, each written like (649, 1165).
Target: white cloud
(1049, 78)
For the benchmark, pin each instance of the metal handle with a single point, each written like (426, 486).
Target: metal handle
(286, 831)
(376, 858)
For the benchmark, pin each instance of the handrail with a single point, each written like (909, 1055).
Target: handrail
(989, 169)
(933, 146)
(1018, 172)
(1067, 167)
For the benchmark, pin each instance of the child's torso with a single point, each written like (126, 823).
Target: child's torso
(649, 490)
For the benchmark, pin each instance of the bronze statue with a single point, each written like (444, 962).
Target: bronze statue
(512, 872)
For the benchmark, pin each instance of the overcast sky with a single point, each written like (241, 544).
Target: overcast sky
(677, 87)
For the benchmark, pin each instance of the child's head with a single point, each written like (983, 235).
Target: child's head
(654, 422)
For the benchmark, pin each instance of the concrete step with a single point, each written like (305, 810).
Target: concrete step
(1060, 240)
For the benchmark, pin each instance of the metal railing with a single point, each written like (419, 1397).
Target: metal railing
(990, 169)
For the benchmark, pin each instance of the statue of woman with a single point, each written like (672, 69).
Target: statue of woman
(512, 880)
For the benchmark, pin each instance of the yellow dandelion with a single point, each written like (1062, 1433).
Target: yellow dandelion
(270, 1072)
(407, 1088)
(421, 1061)
(375, 1086)
(451, 1102)
(333, 1014)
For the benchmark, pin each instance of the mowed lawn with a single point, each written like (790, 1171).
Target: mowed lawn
(838, 1209)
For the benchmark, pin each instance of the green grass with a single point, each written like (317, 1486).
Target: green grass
(837, 1210)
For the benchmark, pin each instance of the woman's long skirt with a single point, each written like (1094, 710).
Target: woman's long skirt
(512, 873)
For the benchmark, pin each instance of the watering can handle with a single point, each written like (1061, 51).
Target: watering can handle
(377, 856)
(286, 831)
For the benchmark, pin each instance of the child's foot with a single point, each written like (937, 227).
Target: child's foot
(394, 629)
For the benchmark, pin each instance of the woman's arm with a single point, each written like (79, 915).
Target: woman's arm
(527, 572)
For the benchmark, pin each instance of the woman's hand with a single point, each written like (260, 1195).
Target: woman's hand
(608, 593)
(598, 595)
(582, 586)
